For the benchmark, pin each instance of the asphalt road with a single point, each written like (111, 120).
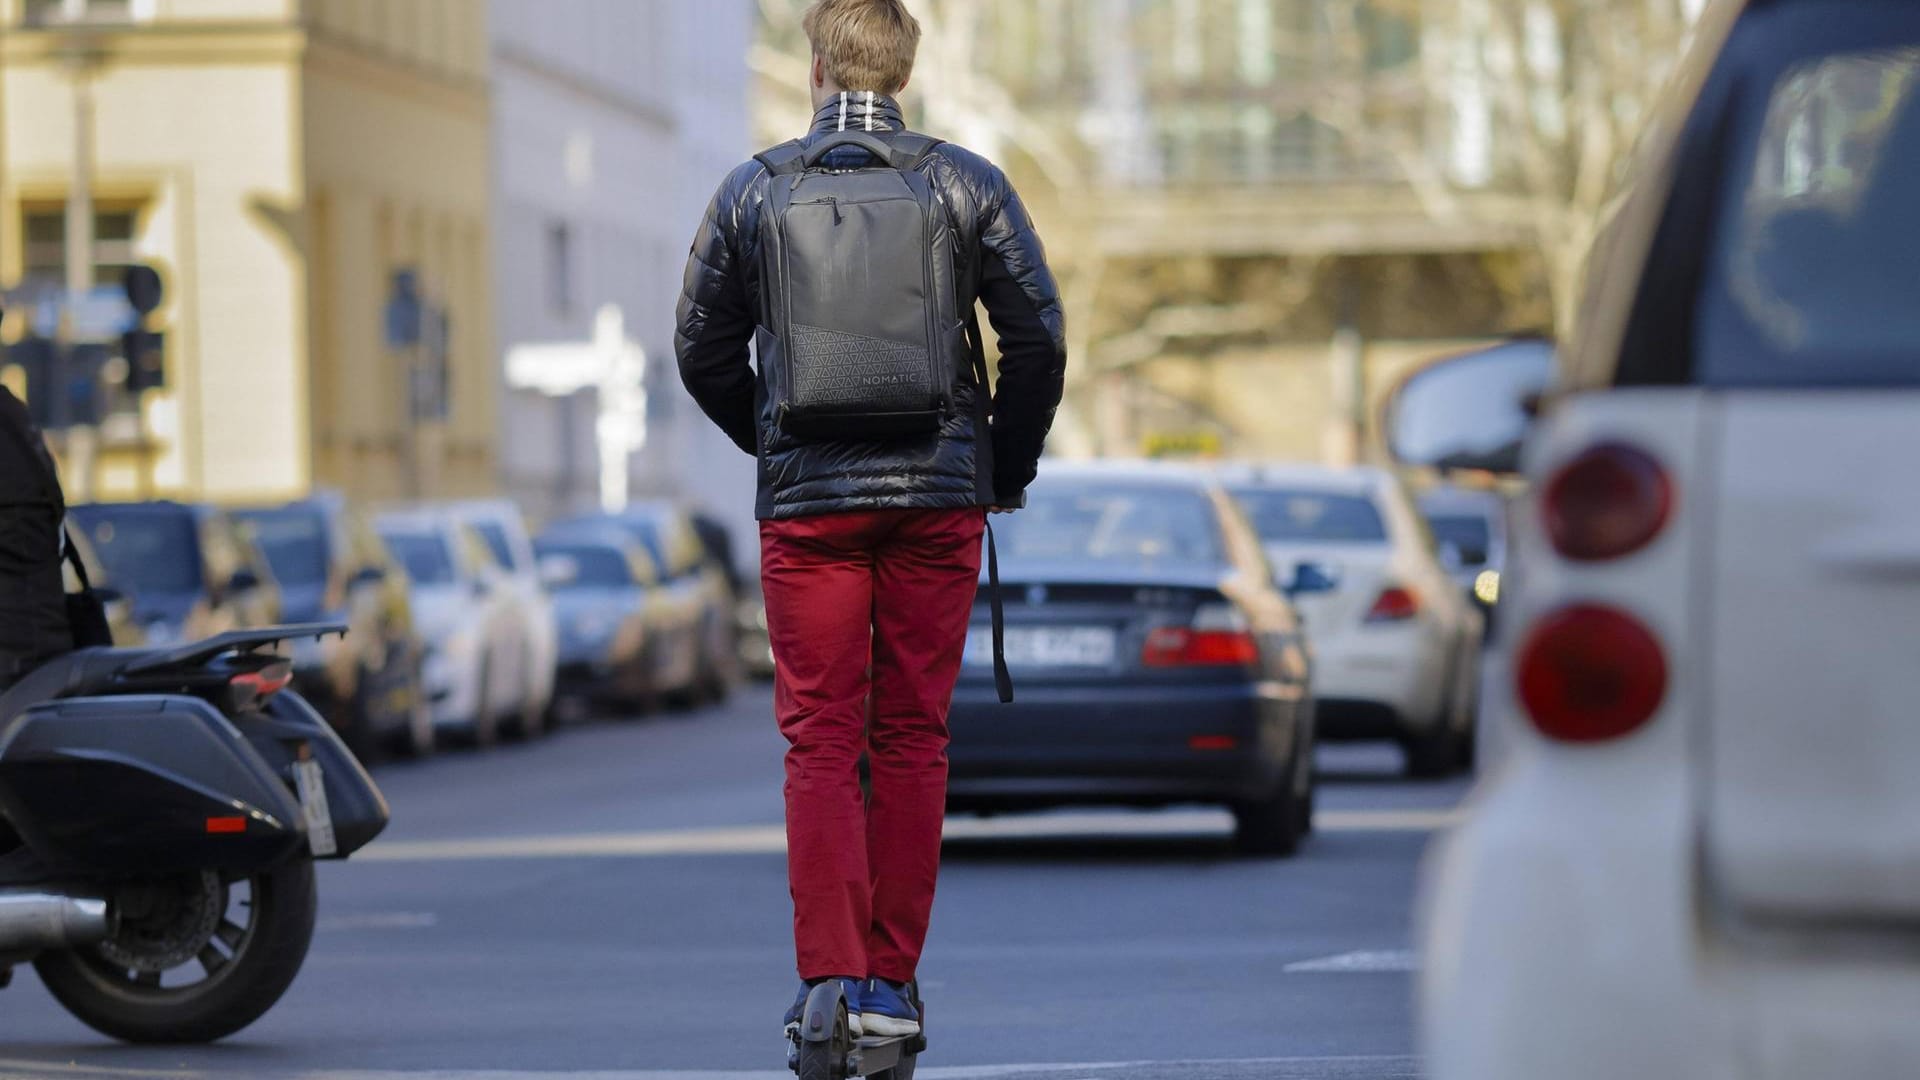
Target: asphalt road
(610, 904)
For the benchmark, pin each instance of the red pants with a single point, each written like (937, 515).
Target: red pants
(886, 592)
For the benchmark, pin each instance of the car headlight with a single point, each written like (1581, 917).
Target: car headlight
(1486, 587)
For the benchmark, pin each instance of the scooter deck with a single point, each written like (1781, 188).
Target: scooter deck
(872, 1055)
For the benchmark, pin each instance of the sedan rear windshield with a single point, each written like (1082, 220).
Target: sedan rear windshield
(1315, 516)
(1468, 533)
(425, 555)
(145, 550)
(1114, 524)
(294, 542)
(1815, 272)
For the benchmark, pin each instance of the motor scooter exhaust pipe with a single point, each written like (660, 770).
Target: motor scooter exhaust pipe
(37, 919)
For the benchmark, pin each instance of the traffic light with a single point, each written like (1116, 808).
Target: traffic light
(145, 353)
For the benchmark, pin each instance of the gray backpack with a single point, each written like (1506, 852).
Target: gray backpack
(863, 337)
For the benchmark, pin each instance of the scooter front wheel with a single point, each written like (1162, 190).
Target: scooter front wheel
(194, 957)
(825, 1039)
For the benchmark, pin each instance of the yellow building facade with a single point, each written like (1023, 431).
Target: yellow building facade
(279, 162)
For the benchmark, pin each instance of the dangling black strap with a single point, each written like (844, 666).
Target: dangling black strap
(1002, 680)
(983, 432)
(69, 553)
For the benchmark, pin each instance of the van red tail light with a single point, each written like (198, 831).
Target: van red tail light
(1395, 604)
(1589, 673)
(1219, 637)
(1609, 501)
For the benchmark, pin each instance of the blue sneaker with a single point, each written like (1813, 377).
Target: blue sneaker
(851, 987)
(886, 1009)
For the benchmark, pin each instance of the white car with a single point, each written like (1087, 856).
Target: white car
(1395, 643)
(1699, 858)
(464, 609)
(499, 523)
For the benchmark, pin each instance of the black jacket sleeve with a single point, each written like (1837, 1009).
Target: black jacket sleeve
(715, 320)
(1023, 304)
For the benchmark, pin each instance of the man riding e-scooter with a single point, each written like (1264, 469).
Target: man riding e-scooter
(852, 259)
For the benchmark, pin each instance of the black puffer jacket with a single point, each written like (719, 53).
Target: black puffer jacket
(719, 310)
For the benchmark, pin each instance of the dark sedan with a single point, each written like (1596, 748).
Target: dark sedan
(1154, 662)
(333, 568)
(602, 610)
(186, 569)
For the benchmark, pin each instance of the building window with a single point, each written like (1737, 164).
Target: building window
(560, 290)
(1189, 61)
(44, 230)
(1255, 34)
(51, 12)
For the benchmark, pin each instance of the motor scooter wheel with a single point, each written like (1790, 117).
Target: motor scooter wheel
(193, 957)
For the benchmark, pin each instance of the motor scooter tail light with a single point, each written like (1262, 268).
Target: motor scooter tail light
(1218, 636)
(1590, 673)
(249, 689)
(1610, 501)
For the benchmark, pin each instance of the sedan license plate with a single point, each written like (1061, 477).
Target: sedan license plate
(1045, 646)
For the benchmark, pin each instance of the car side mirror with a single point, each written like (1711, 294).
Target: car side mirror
(1309, 578)
(242, 581)
(1472, 411)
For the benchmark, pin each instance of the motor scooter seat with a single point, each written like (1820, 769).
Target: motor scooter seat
(74, 674)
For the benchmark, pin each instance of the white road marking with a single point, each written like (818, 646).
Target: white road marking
(379, 920)
(1364, 962)
(1381, 1067)
(772, 839)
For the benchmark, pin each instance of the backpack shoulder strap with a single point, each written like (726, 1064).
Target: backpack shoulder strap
(910, 148)
(785, 159)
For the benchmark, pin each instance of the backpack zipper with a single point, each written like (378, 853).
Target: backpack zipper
(828, 201)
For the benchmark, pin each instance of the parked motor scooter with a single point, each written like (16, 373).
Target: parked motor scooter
(160, 814)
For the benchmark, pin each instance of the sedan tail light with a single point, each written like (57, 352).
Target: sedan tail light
(1218, 637)
(1395, 604)
(1589, 673)
(1609, 501)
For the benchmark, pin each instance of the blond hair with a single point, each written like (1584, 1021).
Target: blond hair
(865, 44)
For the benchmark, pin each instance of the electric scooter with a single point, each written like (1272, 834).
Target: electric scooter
(822, 1047)
(160, 813)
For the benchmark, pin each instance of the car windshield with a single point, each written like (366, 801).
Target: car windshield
(294, 542)
(146, 550)
(1468, 533)
(495, 536)
(425, 555)
(643, 529)
(594, 566)
(1127, 525)
(1317, 516)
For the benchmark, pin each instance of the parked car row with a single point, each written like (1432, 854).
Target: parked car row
(1182, 633)
(461, 626)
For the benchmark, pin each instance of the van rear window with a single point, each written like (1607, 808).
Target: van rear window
(1815, 276)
